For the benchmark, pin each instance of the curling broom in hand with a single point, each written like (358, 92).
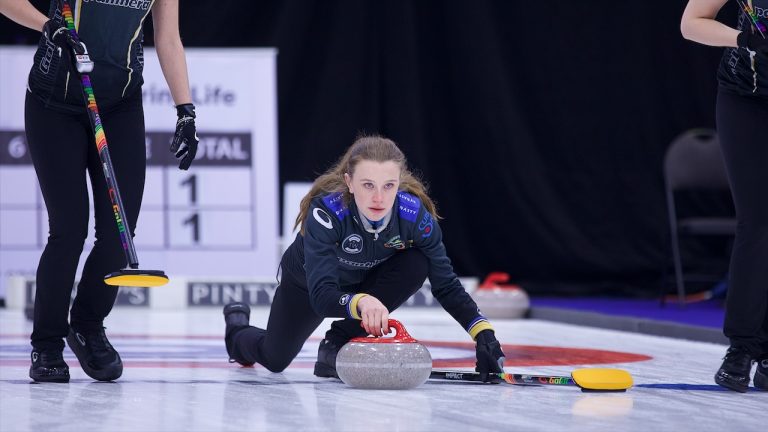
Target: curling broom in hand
(131, 275)
(759, 25)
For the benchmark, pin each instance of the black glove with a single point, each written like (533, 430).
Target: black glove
(490, 358)
(184, 144)
(752, 41)
(61, 36)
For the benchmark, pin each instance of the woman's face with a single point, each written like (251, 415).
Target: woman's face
(374, 186)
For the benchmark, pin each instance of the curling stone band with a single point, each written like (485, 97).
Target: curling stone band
(395, 363)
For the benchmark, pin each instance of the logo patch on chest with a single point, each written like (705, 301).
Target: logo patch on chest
(352, 244)
(395, 243)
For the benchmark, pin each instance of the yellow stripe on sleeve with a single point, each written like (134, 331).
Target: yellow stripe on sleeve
(353, 306)
(478, 327)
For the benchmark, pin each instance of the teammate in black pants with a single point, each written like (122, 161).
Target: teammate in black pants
(369, 237)
(742, 116)
(61, 143)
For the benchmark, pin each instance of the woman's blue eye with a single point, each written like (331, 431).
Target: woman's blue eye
(368, 185)
(389, 186)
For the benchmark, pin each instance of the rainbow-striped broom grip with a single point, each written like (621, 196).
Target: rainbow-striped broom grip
(101, 145)
(759, 25)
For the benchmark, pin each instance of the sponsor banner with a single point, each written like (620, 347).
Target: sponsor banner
(126, 296)
(182, 293)
(209, 293)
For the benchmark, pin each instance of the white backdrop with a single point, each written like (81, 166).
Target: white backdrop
(217, 220)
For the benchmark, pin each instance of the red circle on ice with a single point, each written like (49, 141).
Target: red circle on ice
(530, 355)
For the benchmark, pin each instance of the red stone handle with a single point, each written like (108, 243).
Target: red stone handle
(497, 280)
(494, 279)
(401, 335)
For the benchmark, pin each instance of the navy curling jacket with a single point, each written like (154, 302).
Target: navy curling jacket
(336, 252)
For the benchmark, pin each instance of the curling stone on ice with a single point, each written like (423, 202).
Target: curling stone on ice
(501, 301)
(391, 363)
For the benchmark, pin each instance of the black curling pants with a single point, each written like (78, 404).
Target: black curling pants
(63, 149)
(292, 319)
(741, 126)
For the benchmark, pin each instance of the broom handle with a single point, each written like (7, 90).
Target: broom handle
(101, 144)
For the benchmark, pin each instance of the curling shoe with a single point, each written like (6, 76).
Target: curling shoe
(236, 317)
(761, 374)
(734, 372)
(49, 366)
(96, 355)
(325, 366)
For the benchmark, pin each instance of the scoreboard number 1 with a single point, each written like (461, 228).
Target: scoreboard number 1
(194, 220)
(192, 183)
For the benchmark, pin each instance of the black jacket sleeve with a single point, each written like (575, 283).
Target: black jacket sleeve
(321, 238)
(446, 287)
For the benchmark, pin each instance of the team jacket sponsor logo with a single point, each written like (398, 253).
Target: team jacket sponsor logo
(425, 226)
(344, 299)
(132, 4)
(47, 59)
(395, 243)
(322, 218)
(50, 47)
(408, 213)
(352, 244)
(408, 198)
(408, 206)
(335, 203)
(367, 264)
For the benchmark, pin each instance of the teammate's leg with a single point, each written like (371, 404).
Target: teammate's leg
(124, 129)
(739, 122)
(58, 145)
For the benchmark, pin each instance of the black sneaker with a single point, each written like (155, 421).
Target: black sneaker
(236, 317)
(761, 374)
(325, 366)
(735, 370)
(96, 355)
(49, 366)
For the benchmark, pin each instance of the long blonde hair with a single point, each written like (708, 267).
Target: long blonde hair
(371, 148)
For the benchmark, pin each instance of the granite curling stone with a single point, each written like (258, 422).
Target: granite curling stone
(395, 363)
(501, 301)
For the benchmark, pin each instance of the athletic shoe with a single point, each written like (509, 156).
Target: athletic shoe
(96, 355)
(735, 370)
(48, 366)
(325, 366)
(761, 374)
(236, 317)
